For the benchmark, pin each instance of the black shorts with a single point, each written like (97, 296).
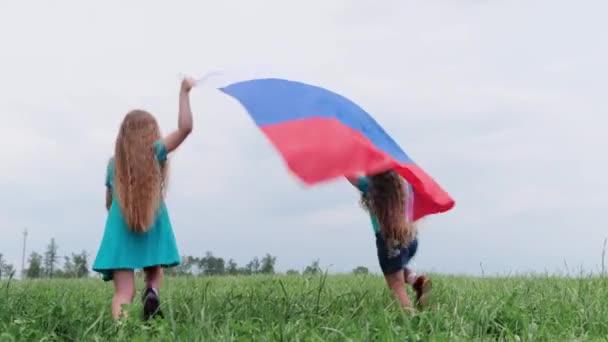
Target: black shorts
(395, 258)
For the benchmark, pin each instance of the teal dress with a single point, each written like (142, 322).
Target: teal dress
(122, 248)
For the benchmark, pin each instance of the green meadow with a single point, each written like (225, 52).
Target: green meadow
(311, 308)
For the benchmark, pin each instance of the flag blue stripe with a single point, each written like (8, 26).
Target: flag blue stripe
(274, 101)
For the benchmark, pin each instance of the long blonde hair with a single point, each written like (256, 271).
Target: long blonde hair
(387, 199)
(139, 179)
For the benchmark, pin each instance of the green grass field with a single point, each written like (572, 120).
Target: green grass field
(318, 308)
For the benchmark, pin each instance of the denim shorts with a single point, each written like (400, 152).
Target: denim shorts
(394, 258)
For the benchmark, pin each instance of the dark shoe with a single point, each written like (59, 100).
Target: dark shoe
(423, 287)
(151, 304)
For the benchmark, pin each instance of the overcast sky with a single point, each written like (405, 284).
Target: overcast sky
(502, 102)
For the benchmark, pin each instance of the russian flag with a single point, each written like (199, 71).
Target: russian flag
(322, 135)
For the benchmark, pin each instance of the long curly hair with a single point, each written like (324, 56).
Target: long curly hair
(386, 200)
(139, 179)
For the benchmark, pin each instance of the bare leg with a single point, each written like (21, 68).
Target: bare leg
(151, 299)
(421, 284)
(410, 276)
(396, 283)
(124, 290)
(153, 277)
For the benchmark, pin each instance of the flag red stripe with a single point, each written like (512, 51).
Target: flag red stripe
(321, 149)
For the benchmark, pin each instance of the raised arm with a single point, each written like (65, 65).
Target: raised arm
(352, 180)
(359, 181)
(184, 119)
(108, 198)
(108, 183)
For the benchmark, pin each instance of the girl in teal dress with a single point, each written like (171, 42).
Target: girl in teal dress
(138, 232)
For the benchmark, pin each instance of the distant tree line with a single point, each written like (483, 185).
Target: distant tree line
(6, 270)
(48, 265)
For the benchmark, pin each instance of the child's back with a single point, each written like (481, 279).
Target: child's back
(138, 232)
(124, 247)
